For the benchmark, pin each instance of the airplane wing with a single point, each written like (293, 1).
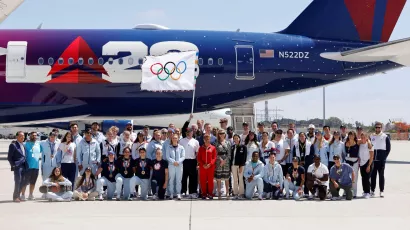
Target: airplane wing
(396, 51)
(7, 7)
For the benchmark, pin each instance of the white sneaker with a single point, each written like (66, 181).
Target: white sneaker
(23, 198)
(154, 197)
(372, 194)
(44, 196)
(101, 197)
(179, 196)
(260, 197)
(381, 194)
(31, 197)
(366, 195)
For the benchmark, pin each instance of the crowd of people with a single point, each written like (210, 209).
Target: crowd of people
(198, 161)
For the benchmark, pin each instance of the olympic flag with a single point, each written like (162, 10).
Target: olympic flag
(169, 72)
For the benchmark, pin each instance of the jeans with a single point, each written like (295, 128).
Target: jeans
(144, 186)
(120, 180)
(18, 180)
(289, 186)
(110, 187)
(175, 176)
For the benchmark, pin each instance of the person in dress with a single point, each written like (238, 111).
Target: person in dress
(223, 170)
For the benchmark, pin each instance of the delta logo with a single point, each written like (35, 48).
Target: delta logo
(77, 64)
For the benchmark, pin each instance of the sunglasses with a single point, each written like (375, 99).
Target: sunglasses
(378, 127)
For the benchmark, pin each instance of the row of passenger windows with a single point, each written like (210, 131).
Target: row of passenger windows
(100, 61)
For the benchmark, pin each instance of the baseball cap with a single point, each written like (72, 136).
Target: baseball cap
(88, 168)
(171, 130)
(230, 128)
(311, 126)
(260, 124)
(140, 133)
(94, 123)
(343, 126)
(335, 157)
(359, 128)
(111, 153)
(129, 123)
(87, 130)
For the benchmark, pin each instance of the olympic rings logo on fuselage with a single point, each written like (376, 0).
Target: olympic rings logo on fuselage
(157, 69)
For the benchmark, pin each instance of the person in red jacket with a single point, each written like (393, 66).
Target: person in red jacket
(206, 160)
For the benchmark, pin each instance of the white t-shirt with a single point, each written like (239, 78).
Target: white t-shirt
(191, 147)
(67, 152)
(364, 153)
(282, 146)
(319, 172)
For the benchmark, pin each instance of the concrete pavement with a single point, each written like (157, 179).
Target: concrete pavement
(376, 213)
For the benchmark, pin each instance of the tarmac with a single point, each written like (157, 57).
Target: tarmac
(390, 212)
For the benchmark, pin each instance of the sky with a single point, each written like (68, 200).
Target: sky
(380, 97)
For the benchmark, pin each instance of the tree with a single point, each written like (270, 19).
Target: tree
(334, 122)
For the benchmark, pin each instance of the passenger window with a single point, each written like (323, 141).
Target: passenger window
(101, 61)
(91, 61)
(200, 61)
(220, 61)
(70, 61)
(50, 61)
(41, 61)
(140, 61)
(81, 61)
(210, 61)
(110, 61)
(130, 61)
(60, 61)
(120, 61)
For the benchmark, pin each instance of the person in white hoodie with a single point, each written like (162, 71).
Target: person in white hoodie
(273, 178)
(63, 186)
(125, 141)
(253, 175)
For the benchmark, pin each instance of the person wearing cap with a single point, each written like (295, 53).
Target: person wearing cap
(66, 157)
(254, 173)
(175, 158)
(33, 151)
(238, 161)
(109, 144)
(303, 149)
(327, 135)
(48, 158)
(206, 162)
(282, 150)
(317, 178)
(266, 147)
(321, 148)
(352, 157)
(382, 147)
(98, 136)
(245, 132)
(251, 144)
(129, 128)
(86, 187)
(159, 181)
(108, 172)
(125, 141)
(191, 147)
(337, 147)
(366, 156)
(261, 130)
(125, 173)
(224, 123)
(272, 177)
(295, 180)
(343, 133)
(89, 153)
(142, 168)
(341, 177)
(154, 144)
(138, 143)
(310, 136)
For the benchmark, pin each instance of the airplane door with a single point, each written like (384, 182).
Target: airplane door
(244, 62)
(16, 60)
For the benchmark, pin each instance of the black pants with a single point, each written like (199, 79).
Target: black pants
(330, 165)
(276, 192)
(189, 171)
(285, 169)
(314, 187)
(378, 168)
(18, 181)
(69, 170)
(365, 177)
(157, 188)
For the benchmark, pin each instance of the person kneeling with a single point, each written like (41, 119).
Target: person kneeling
(142, 168)
(108, 172)
(273, 178)
(318, 176)
(295, 179)
(253, 175)
(86, 187)
(58, 187)
(341, 175)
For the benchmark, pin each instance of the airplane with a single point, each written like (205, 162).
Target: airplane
(50, 75)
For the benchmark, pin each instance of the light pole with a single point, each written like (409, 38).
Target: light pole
(324, 106)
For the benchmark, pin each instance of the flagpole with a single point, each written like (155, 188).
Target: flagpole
(193, 99)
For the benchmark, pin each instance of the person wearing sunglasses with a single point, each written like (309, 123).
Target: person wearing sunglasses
(341, 177)
(382, 147)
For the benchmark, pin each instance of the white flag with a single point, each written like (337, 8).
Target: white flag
(169, 72)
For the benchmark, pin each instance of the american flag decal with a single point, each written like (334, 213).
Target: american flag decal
(266, 53)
